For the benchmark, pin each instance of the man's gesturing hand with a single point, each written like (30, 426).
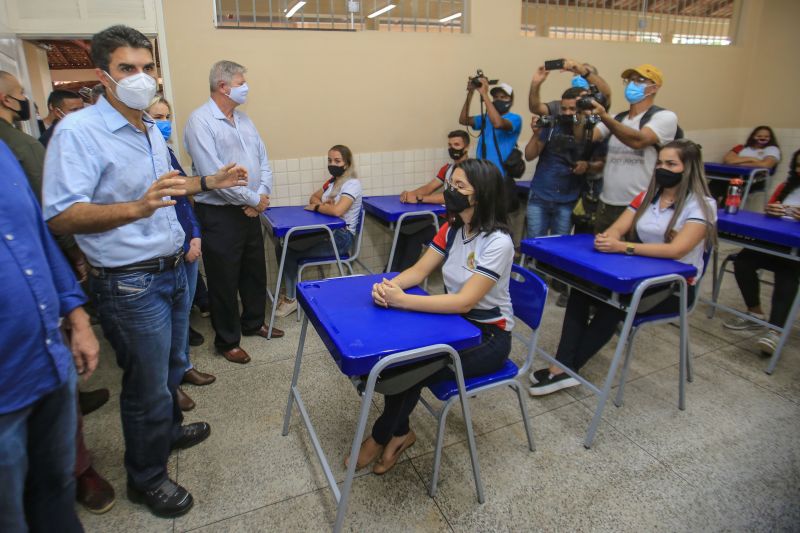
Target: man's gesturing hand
(231, 175)
(158, 194)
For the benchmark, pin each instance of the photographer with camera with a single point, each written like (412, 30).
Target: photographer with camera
(633, 140)
(585, 77)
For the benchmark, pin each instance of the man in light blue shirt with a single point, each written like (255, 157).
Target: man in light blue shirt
(108, 181)
(233, 247)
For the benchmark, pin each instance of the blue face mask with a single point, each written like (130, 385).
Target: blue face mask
(580, 82)
(634, 92)
(165, 127)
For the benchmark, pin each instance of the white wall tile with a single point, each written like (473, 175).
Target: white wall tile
(305, 163)
(293, 164)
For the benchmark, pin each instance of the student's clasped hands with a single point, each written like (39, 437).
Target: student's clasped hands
(604, 243)
(387, 294)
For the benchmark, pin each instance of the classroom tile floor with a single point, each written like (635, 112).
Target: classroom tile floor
(729, 462)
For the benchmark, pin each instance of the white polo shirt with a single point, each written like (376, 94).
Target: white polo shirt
(351, 188)
(651, 227)
(485, 254)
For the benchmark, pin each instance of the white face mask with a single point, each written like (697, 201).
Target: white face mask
(239, 94)
(135, 91)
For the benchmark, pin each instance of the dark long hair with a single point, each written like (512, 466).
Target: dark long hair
(693, 181)
(491, 211)
(793, 181)
(751, 138)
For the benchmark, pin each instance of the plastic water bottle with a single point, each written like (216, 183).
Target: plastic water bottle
(734, 198)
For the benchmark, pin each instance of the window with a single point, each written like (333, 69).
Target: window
(698, 22)
(441, 16)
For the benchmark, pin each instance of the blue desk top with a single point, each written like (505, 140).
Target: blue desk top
(575, 254)
(731, 170)
(358, 333)
(282, 219)
(389, 208)
(759, 226)
(523, 185)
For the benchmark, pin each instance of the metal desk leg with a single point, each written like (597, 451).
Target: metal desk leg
(716, 278)
(684, 346)
(787, 330)
(297, 361)
(277, 287)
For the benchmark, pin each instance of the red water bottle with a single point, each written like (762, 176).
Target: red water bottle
(734, 198)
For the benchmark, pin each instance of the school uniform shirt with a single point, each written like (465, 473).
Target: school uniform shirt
(351, 188)
(628, 170)
(793, 198)
(445, 172)
(651, 226)
(758, 153)
(487, 254)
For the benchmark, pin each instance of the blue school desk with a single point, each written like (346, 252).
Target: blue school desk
(768, 235)
(391, 211)
(617, 279)
(354, 330)
(283, 223)
(750, 175)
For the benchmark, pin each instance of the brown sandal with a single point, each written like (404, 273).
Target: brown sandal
(359, 466)
(383, 466)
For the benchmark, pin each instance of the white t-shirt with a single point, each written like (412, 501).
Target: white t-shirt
(761, 153)
(351, 188)
(651, 227)
(489, 255)
(628, 171)
(793, 198)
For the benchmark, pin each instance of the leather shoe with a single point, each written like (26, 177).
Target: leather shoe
(195, 377)
(236, 355)
(191, 435)
(93, 492)
(168, 500)
(92, 400)
(263, 331)
(184, 402)
(195, 337)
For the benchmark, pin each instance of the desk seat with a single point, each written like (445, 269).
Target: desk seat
(447, 389)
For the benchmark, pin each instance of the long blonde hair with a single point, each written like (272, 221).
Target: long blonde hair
(693, 181)
(349, 172)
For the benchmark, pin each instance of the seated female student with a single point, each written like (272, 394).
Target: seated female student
(340, 196)
(675, 219)
(475, 252)
(760, 150)
(785, 202)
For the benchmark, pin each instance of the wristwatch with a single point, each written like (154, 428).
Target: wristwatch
(316, 208)
(629, 248)
(586, 76)
(203, 184)
(419, 199)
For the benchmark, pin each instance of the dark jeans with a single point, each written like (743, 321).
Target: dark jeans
(307, 247)
(583, 336)
(606, 215)
(233, 254)
(145, 317)
(548, 217)
(413, 236)
(487, 357)
(37, 456)
(746, 266)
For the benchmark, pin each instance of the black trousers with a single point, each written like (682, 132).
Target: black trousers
(233, 255)
(487, 357)
(787, 272)
(413, 236)
(582, 335)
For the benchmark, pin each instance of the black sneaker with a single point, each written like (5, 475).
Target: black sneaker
(195, 337)
(168, 500)
(539, 375)
(92, 400)
(191, 435)
(549, 384)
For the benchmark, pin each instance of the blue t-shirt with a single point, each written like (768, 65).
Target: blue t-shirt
(553, 180)
(506, 139)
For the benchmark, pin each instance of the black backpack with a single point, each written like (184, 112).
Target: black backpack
(652, 110)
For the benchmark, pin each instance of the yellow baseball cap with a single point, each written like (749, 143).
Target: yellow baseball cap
(647, 71)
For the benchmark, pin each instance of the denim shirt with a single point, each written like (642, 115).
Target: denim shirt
(553, 180)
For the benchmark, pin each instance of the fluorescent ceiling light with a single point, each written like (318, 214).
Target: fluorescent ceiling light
(295, 8)
(381, 11)
(451, 17)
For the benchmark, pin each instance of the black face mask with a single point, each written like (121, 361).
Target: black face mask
(454, 201)
(24, 108)
(666, 178)
(335, 171)
(456, 153)
(502, 106)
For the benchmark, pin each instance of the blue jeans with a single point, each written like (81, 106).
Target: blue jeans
(322, 248)
(37, 458)
(145, 317)
(192, 270)
(546, 216)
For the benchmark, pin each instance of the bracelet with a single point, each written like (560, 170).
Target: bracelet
(203, 184)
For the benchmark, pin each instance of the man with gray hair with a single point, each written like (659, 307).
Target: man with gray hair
(233, 247)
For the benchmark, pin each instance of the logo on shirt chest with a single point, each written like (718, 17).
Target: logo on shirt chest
(471, 261)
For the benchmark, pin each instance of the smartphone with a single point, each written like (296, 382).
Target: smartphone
(554, 64)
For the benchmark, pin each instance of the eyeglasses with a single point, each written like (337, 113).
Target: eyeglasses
(460, 187)
(637, 79)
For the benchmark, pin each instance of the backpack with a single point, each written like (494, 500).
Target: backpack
(652, 110)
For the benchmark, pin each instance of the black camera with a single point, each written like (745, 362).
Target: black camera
(476, 81)
(592, 120)
(586, 103)
(545, 121)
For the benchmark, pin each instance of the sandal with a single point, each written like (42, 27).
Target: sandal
(383, 466)
(360, 465)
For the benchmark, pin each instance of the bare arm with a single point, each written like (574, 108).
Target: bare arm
(690, 235)
(636, 139)
(535, 144)
(591, 78)
(427, 193)
(496, 118)
(390, 294)
(535, 104)
(464, 119)
(337, 210)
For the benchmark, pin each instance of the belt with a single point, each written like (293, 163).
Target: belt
(158, 264)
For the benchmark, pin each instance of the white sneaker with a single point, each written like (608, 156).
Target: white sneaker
(769, 342)
(739, 323)
(286, 307)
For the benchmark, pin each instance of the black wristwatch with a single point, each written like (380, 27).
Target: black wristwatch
(316, 208)
(203, 184)
(586, 76)
(419, 199)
